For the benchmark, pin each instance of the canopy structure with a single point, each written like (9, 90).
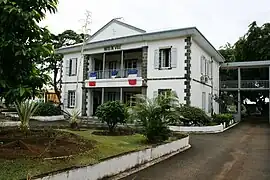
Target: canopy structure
(245, 85)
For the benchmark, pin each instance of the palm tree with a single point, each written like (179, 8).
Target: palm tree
(155, 114)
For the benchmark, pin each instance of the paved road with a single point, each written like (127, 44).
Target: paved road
(241, 153)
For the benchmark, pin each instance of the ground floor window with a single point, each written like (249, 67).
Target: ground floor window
(130, 99)
(164, 91)
(204, 101)
(111, 96)
(71, 99)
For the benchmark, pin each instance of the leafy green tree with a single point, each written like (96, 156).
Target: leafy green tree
(52, 63)
(22, 44)
(112, 113)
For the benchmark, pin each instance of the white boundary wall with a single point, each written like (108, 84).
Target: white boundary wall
(38, 118)
(10, 124)
(202, 129)
(120, 164)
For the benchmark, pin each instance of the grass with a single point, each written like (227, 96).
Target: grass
(106, 146)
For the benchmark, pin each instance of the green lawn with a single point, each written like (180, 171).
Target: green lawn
(106, 146)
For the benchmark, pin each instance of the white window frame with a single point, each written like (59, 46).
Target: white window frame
(209, 103)
(204, 101)
(71, 99)
(73, 66)
(164, 91)
(162, 58)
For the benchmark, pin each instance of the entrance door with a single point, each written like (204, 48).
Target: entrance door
(96, 101)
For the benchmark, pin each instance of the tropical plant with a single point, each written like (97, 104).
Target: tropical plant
(155, 114)
(74, 120)
(25, 110)
(112, 113)
(193, 116)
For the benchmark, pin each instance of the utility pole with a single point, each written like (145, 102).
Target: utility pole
(85, 31)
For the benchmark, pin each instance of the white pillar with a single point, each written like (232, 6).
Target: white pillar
(89, 103)
(122, 63)
(239, 94)
(121, 94)
(103, 66)
(102, 95)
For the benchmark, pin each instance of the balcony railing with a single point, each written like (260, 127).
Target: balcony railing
(246, 84)
(115, 73)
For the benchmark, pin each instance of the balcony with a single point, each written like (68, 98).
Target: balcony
(115, 78)
(245, 84)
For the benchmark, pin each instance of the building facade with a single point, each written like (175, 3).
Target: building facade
(120, 60)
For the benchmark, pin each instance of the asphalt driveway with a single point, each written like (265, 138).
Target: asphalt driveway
(241, 153)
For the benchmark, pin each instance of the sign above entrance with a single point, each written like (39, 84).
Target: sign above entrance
(112, 48)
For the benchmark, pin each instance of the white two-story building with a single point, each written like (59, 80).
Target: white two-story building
(120, 60)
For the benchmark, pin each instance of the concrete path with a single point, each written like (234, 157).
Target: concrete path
(241, 153)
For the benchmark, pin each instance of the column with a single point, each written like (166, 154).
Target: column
(103, 66)
(239, 94)
(269, 93)
(102, 95)
(121, 94)
(122, 64)
(89, 103)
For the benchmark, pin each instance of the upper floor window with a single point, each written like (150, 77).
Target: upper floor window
(206, 67)
(165, 58)
(71, 67)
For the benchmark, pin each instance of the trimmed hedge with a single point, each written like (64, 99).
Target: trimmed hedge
(194, 116)
(222, 118)
(47, 109)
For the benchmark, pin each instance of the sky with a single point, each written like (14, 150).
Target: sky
(220, 21)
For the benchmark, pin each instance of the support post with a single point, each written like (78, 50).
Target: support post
(269, 94)
(239, 94)
(103, 66)
(121, 94)
(102, 95)
(89, 103)
(122, 64)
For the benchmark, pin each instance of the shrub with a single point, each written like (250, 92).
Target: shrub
(155, 114)
(48, 109)
(25, 110)
(193, 116)
(222, 118)
(112, 113)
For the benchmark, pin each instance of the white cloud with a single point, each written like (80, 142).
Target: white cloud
(220, 21)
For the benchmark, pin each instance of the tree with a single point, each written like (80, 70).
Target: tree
(22, 44)
(112, 113)
(52, 63)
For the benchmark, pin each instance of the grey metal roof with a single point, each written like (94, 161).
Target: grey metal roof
(175, 33)
(246, 64)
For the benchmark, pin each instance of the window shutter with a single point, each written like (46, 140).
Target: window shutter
(74, 66)
(155, 94)
(67, 66)
(156, 59)
(202, 65)
(210, 69)
(65, 100)
(206, 67)
(174, 58)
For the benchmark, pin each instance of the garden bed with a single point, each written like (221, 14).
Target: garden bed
(80, 147)
(41, 143)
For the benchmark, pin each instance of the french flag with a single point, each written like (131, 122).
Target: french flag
(114, 73)
(132, 74)
(92, 78)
